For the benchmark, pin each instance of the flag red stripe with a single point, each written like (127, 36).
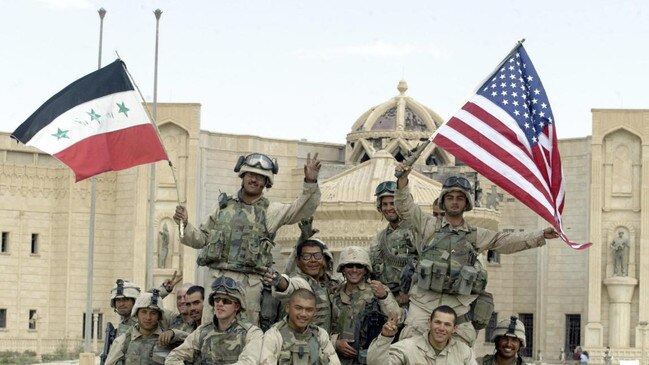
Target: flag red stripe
(504, 152)
(494, 176)
(113, 151)
(499, 153)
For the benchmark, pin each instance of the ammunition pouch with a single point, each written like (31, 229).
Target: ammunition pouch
(432, 275)
(463, 284)
(482, 308)
(300, 353)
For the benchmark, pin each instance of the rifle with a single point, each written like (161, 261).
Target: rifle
(412, 156)
(111, 332)
(367, 328)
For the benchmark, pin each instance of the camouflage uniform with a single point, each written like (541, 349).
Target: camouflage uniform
(491, 360)
(282, 346)
(322, 290)
(425, 226)
(239, 344)
(389, 253)
(347, 310)
(417, 350)
(133, 347)
(236, 239)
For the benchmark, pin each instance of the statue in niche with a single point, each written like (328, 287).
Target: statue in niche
(562, 356)
(164, 246)
(620, 247)
(493, 198)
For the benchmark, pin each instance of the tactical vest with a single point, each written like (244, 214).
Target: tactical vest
(239, 240)
(491, 360)
(300, 348)
(450, 263)
(322, 304)
(220, 348)
(360, 321)
(392, 255)
(179, 324)
(139, 351)
(125, 326)
(349, 314)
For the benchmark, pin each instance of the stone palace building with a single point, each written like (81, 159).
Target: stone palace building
(565, 297)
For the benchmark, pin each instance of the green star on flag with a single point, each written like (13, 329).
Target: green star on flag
(60, 134)
(94, 116)
(123, 109)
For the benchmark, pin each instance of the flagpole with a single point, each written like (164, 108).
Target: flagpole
(149, 247)
(91, 229)
(514, 49)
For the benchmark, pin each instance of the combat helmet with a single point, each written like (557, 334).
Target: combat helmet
(386, 188)
(259, 164)
(355, 255)
(230, 287)
(457, 183)
(123, 289)
(512, 327)
(148, 300)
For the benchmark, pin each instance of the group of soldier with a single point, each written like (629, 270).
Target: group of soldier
(416, 296)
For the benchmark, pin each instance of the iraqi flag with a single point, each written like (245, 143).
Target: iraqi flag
(94, 125)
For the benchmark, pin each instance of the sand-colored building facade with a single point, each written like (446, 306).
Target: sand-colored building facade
(566, 297)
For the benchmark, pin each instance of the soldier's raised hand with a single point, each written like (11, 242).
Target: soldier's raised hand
(170, 283)
(312, 168)
(181, 215)
(404, 170)
(390, 327)
(550, 233)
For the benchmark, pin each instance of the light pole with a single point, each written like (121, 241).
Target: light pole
(643, 328)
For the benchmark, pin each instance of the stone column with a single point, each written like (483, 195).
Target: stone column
(620, 292)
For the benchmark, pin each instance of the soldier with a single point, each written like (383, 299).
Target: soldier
(194, 300)
(237, 238)
(391, 247)
(360, 306)
(183, 321)
(295, 340)
(137, 345)
(227, 338)
(434, 347)
(311, 273)
(508, 338)
(123, 296)
(449, 271)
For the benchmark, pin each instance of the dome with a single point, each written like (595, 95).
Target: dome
(396, 126)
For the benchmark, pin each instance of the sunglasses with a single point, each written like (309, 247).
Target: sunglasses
(390, 186)
(355, 266)
(225, 282)
(458, 181)
(225, 301)
(309, 256)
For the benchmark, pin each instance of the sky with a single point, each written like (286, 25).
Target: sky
(296, 69)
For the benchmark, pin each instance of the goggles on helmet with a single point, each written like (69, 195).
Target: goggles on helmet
(457, 181)
(225, 282)
(259, 160)
(120, 287)
(390, 186)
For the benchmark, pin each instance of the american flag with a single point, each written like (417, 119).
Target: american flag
(507, 133)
